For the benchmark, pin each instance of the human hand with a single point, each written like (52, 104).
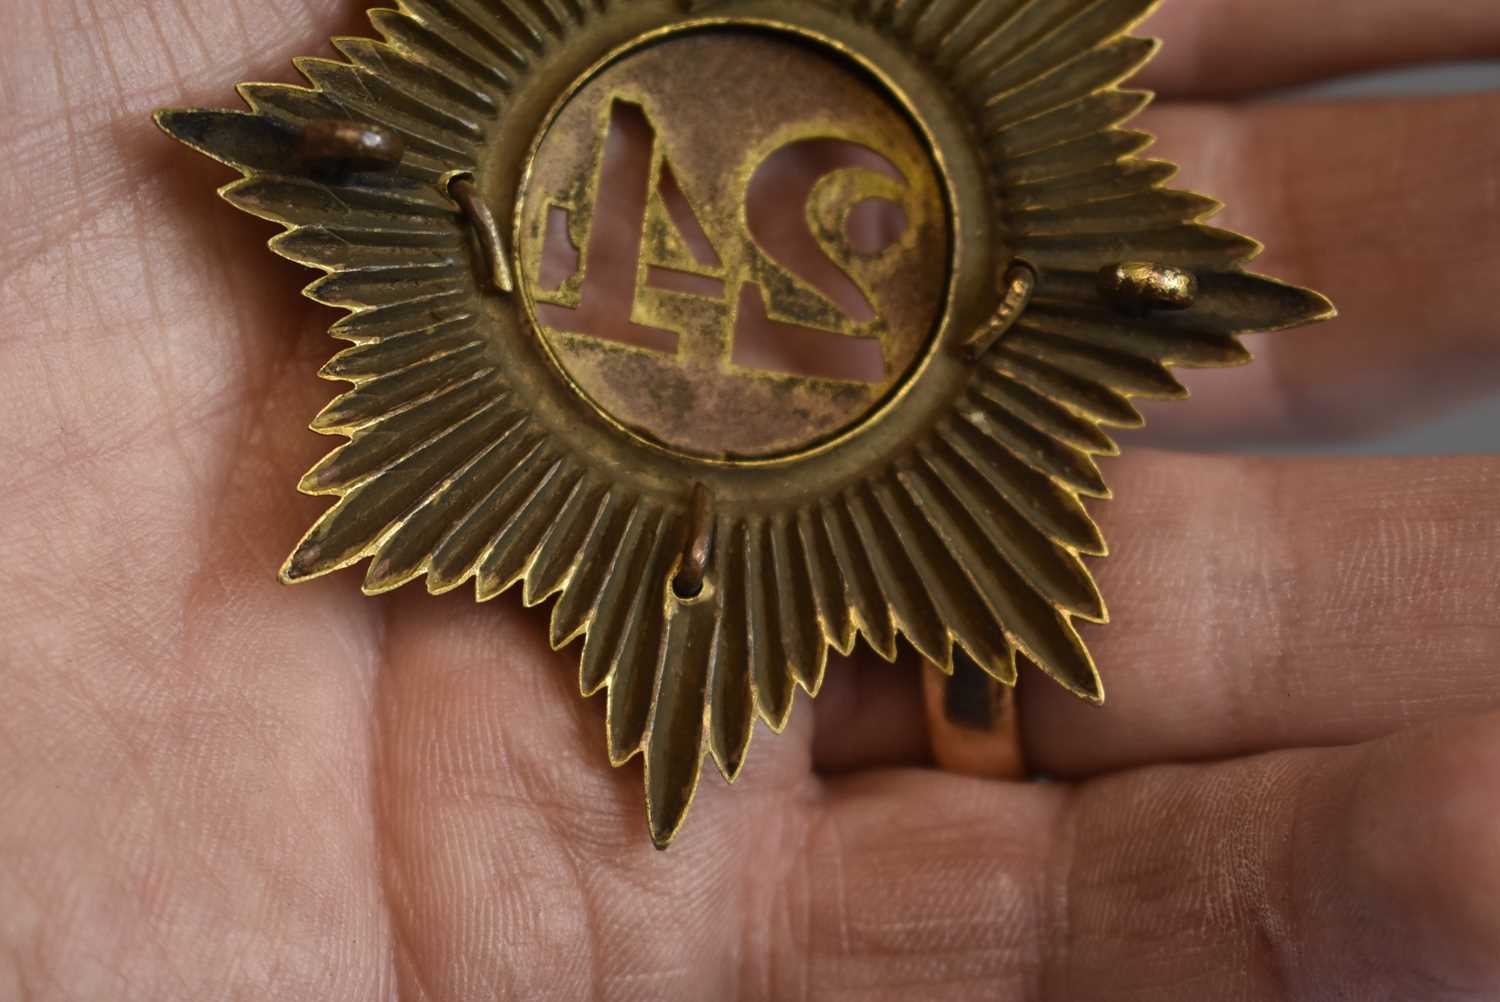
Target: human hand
(215, 788)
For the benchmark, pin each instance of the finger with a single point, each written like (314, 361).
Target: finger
(1215, 47)
(1259, 604)
(1385, 207)
(1256, 604)
(500, 822)
(1287, 877)
(83, 95)
(130, 289)
(870, 714)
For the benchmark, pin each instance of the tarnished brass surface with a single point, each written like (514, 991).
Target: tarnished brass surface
(941, 503)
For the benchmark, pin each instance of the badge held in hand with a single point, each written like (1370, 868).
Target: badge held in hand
(741, 330)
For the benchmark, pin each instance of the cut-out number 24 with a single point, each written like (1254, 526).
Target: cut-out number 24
(787, 176)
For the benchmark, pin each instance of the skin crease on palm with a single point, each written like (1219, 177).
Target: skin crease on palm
(215, 788)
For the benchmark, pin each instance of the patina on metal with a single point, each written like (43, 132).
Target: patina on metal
(739, 385)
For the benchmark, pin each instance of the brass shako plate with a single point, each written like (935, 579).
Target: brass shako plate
(740, 330)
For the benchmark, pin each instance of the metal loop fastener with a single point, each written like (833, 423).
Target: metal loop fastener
(698, 546)
(463, 191)
(339, 146)
(1016, 288)
(1138, 287)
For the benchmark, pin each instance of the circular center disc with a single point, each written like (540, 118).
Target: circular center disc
(734, 243)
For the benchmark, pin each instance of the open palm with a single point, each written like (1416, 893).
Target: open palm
(212, 787)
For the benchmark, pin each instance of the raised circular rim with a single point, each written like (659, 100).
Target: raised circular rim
(886, 88)
(933, 387)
